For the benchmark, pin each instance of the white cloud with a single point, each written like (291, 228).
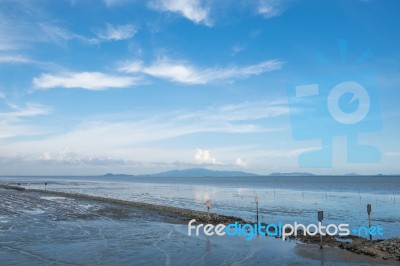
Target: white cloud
(46, 156)
(18, 129)
(55, 32)
(204, 157)
(238, 48)
(59, 35)
(246, 111)
(110, 33)
(14, 59)
(175, 71)
(240, 162)
(26, 24)
(28, 110)
(116, 140)
(111, 3)
(85, 80)
(132, 67)
(17, 26)
(67, 157)
(190, 9)
(95, 136)
(183, 72)
(12, 121)
(5, 45)
(63, 157)
(117, 33)
(271, 8)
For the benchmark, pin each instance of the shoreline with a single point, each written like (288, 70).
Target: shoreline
(387, 249)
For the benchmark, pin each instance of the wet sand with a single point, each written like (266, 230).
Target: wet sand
(331, 254)
(59, 207)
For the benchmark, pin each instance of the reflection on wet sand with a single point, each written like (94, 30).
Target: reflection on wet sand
(36, 229)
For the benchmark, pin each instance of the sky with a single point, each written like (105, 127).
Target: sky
(137, 87)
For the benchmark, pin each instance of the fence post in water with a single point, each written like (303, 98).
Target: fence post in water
(257, 211)
(369, 220)
(208, 205)
(45, 186)
(320, 218)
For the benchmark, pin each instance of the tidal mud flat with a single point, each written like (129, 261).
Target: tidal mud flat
(60, 221)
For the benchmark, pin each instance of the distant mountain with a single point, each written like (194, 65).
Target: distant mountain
(111, 174)
(202, 172)
(351, 174)
(292, 174)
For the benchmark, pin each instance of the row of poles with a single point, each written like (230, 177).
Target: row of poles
(29, 186)
(369, 210)
(302, 192)
(320, 216)
(320, 213)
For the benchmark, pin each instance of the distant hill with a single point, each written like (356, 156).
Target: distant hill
(351, 174)
(292, 174)
(111, 174)
(202, 172)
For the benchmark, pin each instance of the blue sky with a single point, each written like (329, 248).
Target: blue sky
(125, 86)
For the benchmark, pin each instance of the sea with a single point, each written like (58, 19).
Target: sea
(44, 229)
(286, 199)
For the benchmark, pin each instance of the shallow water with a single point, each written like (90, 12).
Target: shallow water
(282, 199)
(39, 230)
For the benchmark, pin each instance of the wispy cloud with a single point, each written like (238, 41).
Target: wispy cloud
(183, 72)
(247, 111)
(112, 3)
(25, 25)
(128, 143)
(117, 33)
(190, 9)
(12, 121)
(271, 8)
(16, 32)
(62, 158)
(69, 157)
(57, 33)
(95, 81)
(67, 162)
(110, 33)
(238, 48)
(14, 59)
(24, 29)
(28, 110)
(114, 136)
